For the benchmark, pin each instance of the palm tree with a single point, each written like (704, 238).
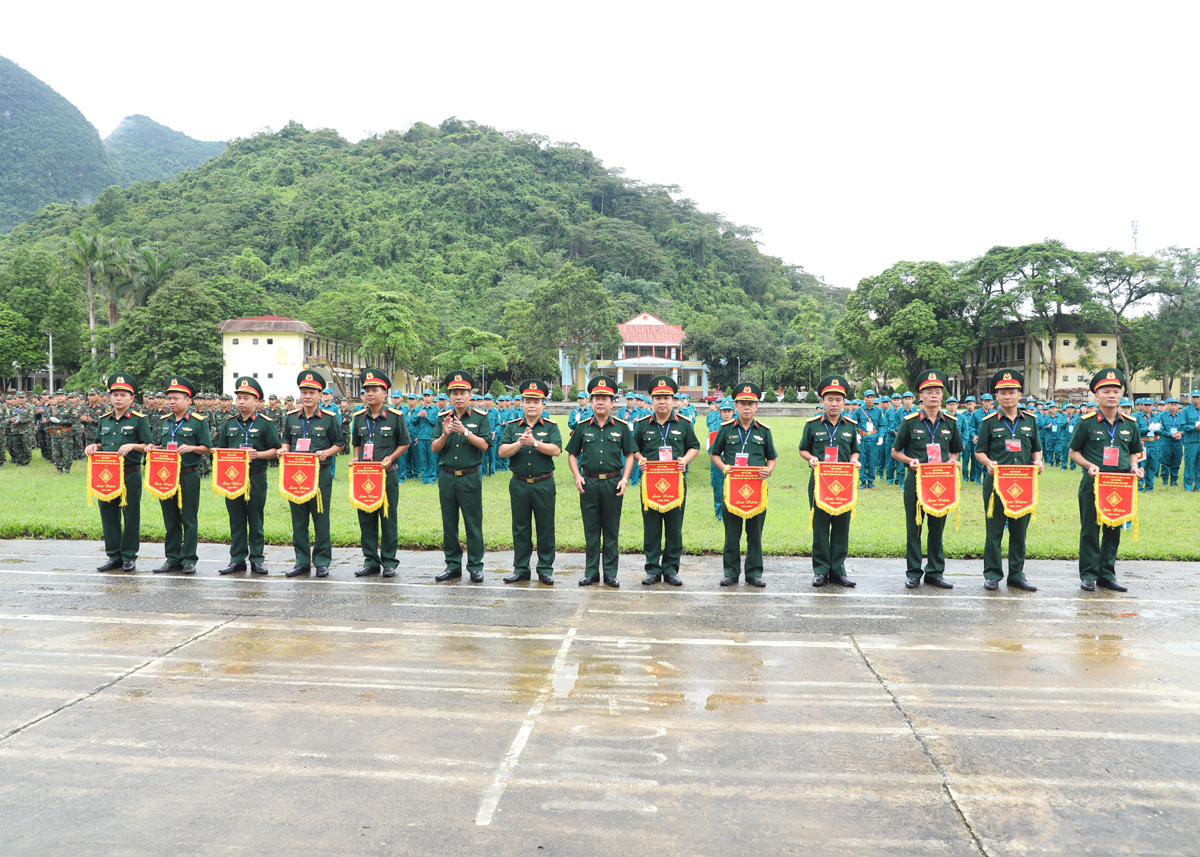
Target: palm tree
(84, 255)
(150, 271)
(115, 268)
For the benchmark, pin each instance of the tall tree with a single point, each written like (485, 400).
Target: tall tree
(1119, 282)
(395, 323)
(574, 311)
(178, 331)
(149, 272)
(84, 256)
(473, 349)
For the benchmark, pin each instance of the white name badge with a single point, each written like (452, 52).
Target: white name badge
(303, 444)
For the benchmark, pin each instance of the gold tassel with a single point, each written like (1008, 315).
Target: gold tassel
(919, 510)
(179, 496)
(1136, 528)
(992, 505)
(811, 513)
(91, 500)
(958, 517)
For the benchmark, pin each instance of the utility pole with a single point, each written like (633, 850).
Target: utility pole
(1135, 232)
(50, 383)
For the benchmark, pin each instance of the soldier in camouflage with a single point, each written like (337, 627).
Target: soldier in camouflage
(21, 430)
(59, 418)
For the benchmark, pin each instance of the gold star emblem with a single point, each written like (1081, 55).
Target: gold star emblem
(836, 487)
(163, 473)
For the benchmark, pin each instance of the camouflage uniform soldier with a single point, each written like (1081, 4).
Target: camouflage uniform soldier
(40, 434)
(275, 414)
(5, 406)
(59, 419)
(202, 407)
(21, 430)
(75, 400)
(89, 418)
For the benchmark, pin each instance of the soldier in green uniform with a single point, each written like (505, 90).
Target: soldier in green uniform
(529, 444)
(664, 436)
(89, 417)
(21, 430)
(311, 428)
(460, 437)
(59, 418)
(257, 433)
(1007, 435)
(185, 432)
(5, 409)
(830, 436)
(127, 432)
(926, 431)
(1103, 442)
(600, 455)
(275, 413)
(76, 401)
(380, 433)
(744, 441)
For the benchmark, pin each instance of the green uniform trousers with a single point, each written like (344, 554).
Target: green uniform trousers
(122, 525)
(731, 556)
(532, 504)
(20, 446)
(461, 493)
(1098, 544)
(246, 521)
(994, 531)
(935, 558)
(320, 551)
(62, 449)
(831, 539)
(663, 555)
(600, 508)
(370, 524)
(181, 524)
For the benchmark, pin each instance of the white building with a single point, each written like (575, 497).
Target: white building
(649, 347)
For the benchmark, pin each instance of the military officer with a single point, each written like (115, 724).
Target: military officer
(830, 437)
(182, 431)
(380, 433)
(600, 455)
(200, 407)
(311, 428)
(530, 444)
(77, 403)
(1105, 442)
(664, 436)
(59, 418)
(1007, 435)
(248, 429)
(920, 433)
(5, 410)
(461, 437)
(127, 432)
(744, 437)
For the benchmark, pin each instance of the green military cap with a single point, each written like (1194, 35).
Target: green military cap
(246, 384)
(1107, 378)
(273, 397)
(833, 384)
(119, 381)
(93, 392)
(460, 379)
(1009, 379)
(663, 385)
(928, 379)
(372, 377)
(602, 385)
(534, 388)
(310, 380)
(180, 384)
(60, 392)
(746, 392)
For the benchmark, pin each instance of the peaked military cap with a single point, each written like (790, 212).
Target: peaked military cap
(310, 380)
(835, 384)
(928, 379)
(180, 384)
(1008, 379)
(372, 377)
(1107, 378)
(534, 388)
(460, 379)
(746, 392)
(117, 381)
(249, 385)
(602, 385)
(663, 385)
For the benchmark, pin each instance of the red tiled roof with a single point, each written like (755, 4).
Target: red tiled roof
(651, 334)
(266, 324)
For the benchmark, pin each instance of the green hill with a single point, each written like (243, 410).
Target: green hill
(48, 151)
(144, 150)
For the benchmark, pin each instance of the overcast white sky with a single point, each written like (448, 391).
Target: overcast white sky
(854, 135)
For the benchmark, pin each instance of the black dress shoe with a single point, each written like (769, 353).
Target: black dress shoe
(367, 571)
(586, 581)
(819, 580)
(938, 581)
(257, 568)
(190, 568)
(516, 577)
(546, 579)
(1022, 584)
(912, 582)
(842, 580)
(477, 577)
(322, 571)
(299, 571)
(673, 579)
(612, 581)
(388, 572)
(166, 568)
(728, 581)
(129, 565)
(1087, 585)
(232, 568)
(448, 574)
(1111, 585)
(651, 579)
(756, 581)
(111, 565)
(992, 584)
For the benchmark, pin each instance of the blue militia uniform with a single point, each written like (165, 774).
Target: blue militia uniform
(716, 475)
(1149, 438)
(901, 470)
(421, 430)
(490, 458)
(1191, 448)
(578, 415)
(892, 469)
(631, 414)
(868, 443)
(1171, 450)
(1069, 428)
(969, 446)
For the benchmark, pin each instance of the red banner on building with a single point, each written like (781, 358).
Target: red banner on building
(231, 473)
(162, 474)
(1116, 499)
(299, 477)
(835, 487)
(745, 492)
(106, 477)
(368, 484)
(662, 486)
(1017, 486)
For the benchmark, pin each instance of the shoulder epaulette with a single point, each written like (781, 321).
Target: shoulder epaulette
(729, 421)
(1096, 416)
(396, 411)
(643, 417)
(480, 411)
(329, 411)
(1129, 417)
(359, 410)
(165, 416)
(767, 427)
(816, 417)
(265, 417)
(911, 416)
(196, 416)
(293, 411)
(850, 420)
(585, 420)
(132, 411)
(618, 419)
(109, 414)
(443, 413)
(989, 415)
(685, 417)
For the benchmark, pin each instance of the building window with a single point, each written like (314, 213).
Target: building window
(255, 374)
(1103, 342)
(270, 375)
(1081, 378)
(235, 343)
(1066, 342)
(270, 342)
(1066, 377)
(1021, 351)
(235, 375)
(254, 342)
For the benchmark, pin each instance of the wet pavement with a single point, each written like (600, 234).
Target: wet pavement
(164, 714)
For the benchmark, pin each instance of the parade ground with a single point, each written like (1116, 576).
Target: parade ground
(163, 714)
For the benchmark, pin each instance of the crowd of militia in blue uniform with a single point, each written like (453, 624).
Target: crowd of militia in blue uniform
(1170, 435)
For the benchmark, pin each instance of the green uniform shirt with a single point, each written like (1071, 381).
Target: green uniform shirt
(1093, 433)
(386, 432)
(676, 432)
(458, 453)
(757, 442)
(113, 433)
(913, 437)
(323, 429)
(817, 436)
(192, 430)
(257, 432)
(995, 433)
(601, 449)
(65, 414)
(528, 462)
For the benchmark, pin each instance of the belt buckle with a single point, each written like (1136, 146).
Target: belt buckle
(602, 476)
(458, 473)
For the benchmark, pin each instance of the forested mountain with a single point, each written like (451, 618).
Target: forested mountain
(143, 150)
(465, 223)
(48, 150)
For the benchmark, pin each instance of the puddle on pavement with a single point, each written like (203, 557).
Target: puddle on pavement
(564, 681)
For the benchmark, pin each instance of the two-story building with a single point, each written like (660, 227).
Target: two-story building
(649, 347)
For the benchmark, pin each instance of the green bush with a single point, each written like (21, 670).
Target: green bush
(573, 392)
(556, 393)
(789, 396)
(497, 389)
(811, 398)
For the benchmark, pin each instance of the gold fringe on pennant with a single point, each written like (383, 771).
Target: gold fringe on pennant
(991, 513)
(1120, 522)
(226, 493)
(365, 507)
(163, 495)
(1031, 512)
(824, 507)
(315, 492)
(662, 507)
(120, 492)
(758, 510)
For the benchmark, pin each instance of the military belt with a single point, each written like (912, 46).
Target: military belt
(529, 480)
(185, 471)
(616, 474)
(467, 471)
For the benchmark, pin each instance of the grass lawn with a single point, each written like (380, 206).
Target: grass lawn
(40, 504)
